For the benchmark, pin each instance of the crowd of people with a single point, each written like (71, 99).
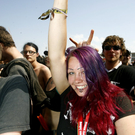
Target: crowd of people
(73, 91)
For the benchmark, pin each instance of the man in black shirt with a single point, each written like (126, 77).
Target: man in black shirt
(120, 75)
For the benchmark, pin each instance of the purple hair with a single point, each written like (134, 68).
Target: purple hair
(99, 98)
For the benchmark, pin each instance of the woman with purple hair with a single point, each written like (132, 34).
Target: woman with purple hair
(90, 104)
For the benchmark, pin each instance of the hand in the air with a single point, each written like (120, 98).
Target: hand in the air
(84, 43)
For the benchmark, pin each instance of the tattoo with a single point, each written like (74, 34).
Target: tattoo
(52, 82)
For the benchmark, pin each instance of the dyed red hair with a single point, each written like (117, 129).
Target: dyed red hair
(100, 96)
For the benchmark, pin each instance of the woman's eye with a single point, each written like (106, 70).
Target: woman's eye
(71, 73)
(83, 72)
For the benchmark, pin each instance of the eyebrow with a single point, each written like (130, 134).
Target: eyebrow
(77, 68)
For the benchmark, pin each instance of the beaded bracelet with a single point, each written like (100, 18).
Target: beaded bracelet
(46, 14)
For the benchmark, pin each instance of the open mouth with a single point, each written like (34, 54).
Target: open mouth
(81, 87)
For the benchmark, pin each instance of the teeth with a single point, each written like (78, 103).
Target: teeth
(81, 87)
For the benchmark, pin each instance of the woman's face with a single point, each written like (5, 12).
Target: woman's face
(76, 76)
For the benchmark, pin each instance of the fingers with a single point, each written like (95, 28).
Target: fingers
(84, 43)
(90, 37)
(74, 42)
(96, 49)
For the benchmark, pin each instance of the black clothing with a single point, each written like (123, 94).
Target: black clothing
(65, 127)
(124, 77)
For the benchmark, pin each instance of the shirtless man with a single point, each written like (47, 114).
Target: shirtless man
(30, 52)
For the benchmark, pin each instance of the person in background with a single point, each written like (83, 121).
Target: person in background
(133, 63)
(30, 52)
(126, 60)
(14, 104)
(113, 47)
(90, 104)
(41, 59)
(47, 63)
(18, 65)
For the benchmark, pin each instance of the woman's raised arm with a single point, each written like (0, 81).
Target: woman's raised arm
(57, 41)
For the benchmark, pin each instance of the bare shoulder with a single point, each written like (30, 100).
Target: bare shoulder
(44, 68)
(42, 71)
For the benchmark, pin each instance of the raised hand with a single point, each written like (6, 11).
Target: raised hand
(84, 43)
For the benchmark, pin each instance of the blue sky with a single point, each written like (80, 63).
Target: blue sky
(106, 17)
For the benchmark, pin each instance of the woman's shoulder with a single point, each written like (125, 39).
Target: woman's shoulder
(124, 102)
(66, 91)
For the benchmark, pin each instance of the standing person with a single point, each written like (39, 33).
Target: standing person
(126, 58)
(121, 75)
(30, 52)
(86, 92)
(14, 105)
(47, 63)
(18, 65)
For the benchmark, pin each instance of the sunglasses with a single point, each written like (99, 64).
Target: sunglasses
(115, 47)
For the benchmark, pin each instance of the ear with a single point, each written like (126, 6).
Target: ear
(37, 54)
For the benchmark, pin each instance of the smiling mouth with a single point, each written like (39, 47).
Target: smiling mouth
(81, 87)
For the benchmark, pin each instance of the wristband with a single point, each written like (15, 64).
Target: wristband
(60, 11)
(46, 14)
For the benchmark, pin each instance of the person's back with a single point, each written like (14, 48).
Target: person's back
(14, 105)
(18, 65)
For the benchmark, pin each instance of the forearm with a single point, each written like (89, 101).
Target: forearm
(12, 133)
(57, 38)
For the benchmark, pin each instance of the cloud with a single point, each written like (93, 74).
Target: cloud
(79, 38)
(97, 39)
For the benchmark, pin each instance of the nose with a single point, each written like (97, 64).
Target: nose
(27, 53)
(112, 49)
(78, 78)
